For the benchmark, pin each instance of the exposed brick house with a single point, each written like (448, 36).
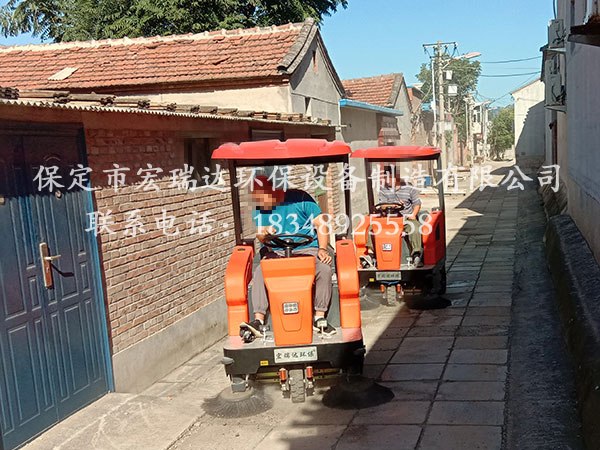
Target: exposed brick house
(139, 305)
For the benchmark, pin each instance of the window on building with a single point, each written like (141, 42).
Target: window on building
(315, 61)
(198, 156)
(307, 106)
(265, 135)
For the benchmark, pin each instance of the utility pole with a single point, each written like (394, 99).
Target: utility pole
(433, 105)
(440, 51)
(484, 130)
(442, 104)
(467, 127)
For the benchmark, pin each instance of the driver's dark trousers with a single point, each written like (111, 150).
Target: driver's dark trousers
(322, 285)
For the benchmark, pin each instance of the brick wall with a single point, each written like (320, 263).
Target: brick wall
(153, 280)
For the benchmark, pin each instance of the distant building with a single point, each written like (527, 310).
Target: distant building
(421, 118)
(530, 139)
(375, 112)
(384, 105)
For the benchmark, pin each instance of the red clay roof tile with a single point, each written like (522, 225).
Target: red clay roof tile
(374, 90)
(214, 56)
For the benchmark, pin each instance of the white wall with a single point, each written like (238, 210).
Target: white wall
(360, 131)
(270, 98)
(579, 130)
(583, 110)
(306, 82)
(315, 82)
(530, 123)
(404, 123)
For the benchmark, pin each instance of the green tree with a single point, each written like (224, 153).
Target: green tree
(465, 74)
(502, 133)
(68, 20)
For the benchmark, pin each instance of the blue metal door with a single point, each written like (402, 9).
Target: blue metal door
(52, 339)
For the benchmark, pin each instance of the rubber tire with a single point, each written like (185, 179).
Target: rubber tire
(439, 281)
(297, 387)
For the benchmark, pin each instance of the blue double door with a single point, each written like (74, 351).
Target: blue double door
(53, 341)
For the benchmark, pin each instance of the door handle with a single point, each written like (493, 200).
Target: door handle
(46, 266)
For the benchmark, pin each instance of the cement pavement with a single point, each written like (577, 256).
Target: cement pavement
(447, 367)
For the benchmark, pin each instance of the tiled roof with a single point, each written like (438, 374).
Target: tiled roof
(381, 90)
(215, 57)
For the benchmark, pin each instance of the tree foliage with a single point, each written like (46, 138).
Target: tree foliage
(502, 133)
(465, 74)
(68, 20)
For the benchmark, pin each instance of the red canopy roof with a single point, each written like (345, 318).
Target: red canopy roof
(397, 152)
(275, 149)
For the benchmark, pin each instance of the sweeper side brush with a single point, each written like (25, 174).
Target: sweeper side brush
(229, 404)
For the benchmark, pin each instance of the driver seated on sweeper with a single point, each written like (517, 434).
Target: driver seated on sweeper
(291, 211)
(395, 190)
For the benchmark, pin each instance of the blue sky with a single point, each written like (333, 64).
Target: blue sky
(373, 37)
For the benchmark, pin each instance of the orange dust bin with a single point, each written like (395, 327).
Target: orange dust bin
(289, 285)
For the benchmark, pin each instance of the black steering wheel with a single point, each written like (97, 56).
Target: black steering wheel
(286, 241)
(392, 208)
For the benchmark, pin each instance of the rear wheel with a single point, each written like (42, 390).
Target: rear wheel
(435, 282)
(297, 386)
(439, 280)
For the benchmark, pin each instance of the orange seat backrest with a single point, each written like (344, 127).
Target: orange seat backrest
(348, 285)
(361, 236)
(434, 238)
(237, 277)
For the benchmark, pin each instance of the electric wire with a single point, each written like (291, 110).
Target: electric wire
(510, 60)
(494, 100)
(510, 75)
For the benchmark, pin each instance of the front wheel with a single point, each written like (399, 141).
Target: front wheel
(297, 386)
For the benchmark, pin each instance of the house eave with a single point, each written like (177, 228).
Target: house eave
(349, 103)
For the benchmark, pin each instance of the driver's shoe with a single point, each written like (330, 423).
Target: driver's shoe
(367, 261)
(320, 325)
(252, 327)
(417, 261)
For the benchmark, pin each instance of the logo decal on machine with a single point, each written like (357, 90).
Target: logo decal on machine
(387, 247)
(290, 308)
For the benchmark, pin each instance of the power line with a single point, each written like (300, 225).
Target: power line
(510, 60)
(494, 100)
(510, 75)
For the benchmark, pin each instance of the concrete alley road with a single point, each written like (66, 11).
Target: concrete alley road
(488, 372)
